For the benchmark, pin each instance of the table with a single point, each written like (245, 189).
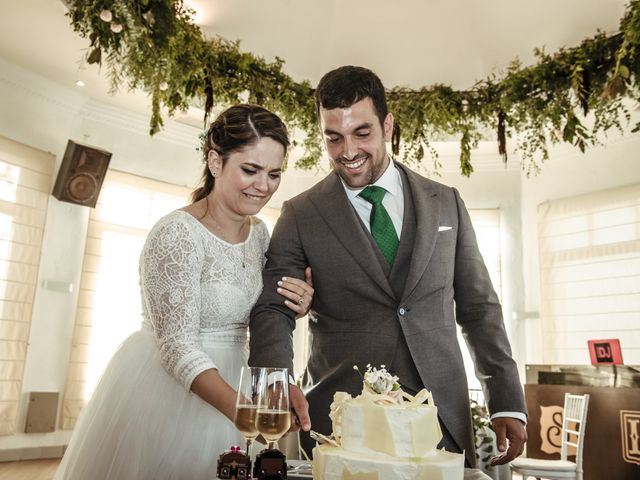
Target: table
(303, 472)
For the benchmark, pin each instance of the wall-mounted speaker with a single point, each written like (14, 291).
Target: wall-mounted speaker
(81, 174)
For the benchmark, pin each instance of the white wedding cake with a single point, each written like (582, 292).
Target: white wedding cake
(384, 433)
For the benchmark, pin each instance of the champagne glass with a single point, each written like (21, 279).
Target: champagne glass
(274, 418)
(247, 404)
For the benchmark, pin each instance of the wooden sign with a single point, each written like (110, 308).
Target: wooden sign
(612, 428)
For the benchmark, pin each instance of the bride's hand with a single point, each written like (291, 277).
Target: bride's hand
(298, 293)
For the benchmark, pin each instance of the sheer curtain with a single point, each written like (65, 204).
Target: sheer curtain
(25, 181)
(486, 223)
(590, 273)
(109, 306)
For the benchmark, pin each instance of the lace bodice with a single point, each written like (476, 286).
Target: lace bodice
(195, 289)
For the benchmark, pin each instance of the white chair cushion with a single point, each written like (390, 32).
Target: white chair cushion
(540, 464)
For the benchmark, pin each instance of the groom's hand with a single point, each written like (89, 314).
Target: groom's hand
(511, 437)
(300, 409)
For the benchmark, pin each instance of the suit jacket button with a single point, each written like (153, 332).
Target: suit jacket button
(402, 311)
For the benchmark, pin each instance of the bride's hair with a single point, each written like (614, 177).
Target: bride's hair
(236, 128)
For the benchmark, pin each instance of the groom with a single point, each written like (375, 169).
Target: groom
(395, 266)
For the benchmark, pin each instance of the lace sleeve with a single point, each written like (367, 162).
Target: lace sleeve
(170, 269)
(263, 233)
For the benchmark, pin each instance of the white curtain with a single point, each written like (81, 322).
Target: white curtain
(109, 306)
(25, 182)
(590, 273)
(486, 223)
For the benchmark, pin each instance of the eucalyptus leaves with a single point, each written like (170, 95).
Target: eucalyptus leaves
(574, 95)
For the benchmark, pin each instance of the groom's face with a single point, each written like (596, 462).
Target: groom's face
(356, 142)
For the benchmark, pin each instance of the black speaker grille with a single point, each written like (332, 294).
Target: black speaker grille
(81, 174)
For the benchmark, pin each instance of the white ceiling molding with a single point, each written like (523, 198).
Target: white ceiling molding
(70, 102)
(137, 123)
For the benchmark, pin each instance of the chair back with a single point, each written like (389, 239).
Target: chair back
(573, 426)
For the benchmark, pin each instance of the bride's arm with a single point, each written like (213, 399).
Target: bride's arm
(212, 388)
(170, 271)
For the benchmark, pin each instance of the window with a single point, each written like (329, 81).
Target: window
(590, 273)
(25, 180)
(486, 223)
(109, 306)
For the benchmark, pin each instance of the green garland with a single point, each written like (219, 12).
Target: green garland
(152, 45)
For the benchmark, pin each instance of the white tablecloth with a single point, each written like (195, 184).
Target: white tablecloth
(303, 469)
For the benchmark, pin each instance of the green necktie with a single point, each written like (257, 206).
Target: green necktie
(382, 228)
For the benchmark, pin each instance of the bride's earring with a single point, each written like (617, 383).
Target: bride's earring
(214, 163)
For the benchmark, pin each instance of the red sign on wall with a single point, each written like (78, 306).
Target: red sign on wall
(605, 352)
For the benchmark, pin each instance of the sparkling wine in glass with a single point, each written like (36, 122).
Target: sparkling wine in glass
(274, 418)
(247, 404)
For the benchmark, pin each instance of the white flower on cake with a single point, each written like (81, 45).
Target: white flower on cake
(379, 380)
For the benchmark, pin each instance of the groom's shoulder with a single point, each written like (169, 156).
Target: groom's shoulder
(417, 178)
(324, 186)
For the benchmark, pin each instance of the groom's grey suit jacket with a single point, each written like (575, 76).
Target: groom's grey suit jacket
(365, 312)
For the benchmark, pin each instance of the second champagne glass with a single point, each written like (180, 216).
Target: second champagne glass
(247, 404)
(274, 418)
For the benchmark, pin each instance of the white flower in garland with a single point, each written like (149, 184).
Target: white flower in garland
(148, 16)
(106, 16)
(116, 27)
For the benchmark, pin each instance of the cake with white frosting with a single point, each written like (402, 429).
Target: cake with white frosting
(384, 433)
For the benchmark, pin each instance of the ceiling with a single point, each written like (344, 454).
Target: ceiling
(407, 42)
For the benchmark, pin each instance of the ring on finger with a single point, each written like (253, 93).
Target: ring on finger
(301, 300)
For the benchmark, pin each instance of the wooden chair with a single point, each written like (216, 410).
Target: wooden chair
(573, 427)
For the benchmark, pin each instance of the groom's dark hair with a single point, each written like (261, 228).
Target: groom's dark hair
(344, 86)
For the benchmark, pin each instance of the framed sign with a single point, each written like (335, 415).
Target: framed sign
(605, 352)
(611, 441)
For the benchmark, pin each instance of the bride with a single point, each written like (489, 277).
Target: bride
(164, 406)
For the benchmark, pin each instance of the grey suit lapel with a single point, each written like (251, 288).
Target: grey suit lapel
(427, 209)
(334, 207)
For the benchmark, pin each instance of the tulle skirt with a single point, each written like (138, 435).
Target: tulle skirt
(142, 424)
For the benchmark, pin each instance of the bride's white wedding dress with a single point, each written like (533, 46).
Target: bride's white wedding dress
(142, 421)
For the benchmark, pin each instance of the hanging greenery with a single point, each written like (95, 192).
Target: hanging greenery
(574, 95)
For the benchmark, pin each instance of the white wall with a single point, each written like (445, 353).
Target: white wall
(45, 115)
